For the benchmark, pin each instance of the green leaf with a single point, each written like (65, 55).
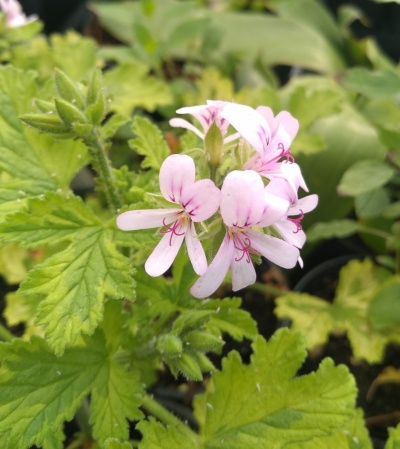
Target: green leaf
(34, 163)
(379, 83)
(12, 266)
(54, 440)
(112, 400)
(394, 438)
(74, 283)
(349, 312)
(372, 204)
(22, 309)
(364, 176)
(131, 86)
(230, 318)
(112, 443)
(156, 436)
(348, 138)
(49, 220)
(354, 436)
(39, 390)
(384, 309)
(289, 41)
(264, 404)
(333, 229)
(74, 54)
(149, 143)
(112, 125)
(309, 105)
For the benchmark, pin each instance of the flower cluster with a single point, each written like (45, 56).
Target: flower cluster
(259, 216)
(14, 15)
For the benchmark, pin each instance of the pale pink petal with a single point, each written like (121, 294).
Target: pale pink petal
(288, 230)
(292, 173)
(250, 124)
(264, 166)
(243, 272)
(165, 252)
(242, 200)
(304, 205)
(201, 200)
(275, 208)
(291, 125)
(301, 263)
(195, 250)
(276, 250)
(132, 220)
(207, 115)
(182, 123)
(216, 272)
(280, 143)
(176, 173)
(268, 115)
(281, 188)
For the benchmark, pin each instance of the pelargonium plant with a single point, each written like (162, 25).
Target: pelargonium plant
(100, 329)
(258, 219)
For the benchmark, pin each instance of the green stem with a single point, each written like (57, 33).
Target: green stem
(102, 165)
(5, 334)
(167, 417)
(267, 289)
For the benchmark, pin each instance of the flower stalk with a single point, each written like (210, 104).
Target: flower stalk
(103, 168)
(160, 412)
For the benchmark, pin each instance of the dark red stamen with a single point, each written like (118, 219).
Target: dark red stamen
(297, 222)
(285, 153)
(172, 229)
(244, 246)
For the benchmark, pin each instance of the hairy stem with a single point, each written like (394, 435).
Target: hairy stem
(102, 165)
(167, 417)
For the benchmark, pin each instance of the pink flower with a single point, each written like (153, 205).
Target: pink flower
(288, 227)
(206, 115)
(14, 14)
(270, 136)
(245, 206)
(196, 201)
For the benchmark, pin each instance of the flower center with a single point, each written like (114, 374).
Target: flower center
(176, 226)
(297, 222)
(242, 243)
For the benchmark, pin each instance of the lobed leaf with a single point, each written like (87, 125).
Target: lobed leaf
(34, 163)
(264, 404)
(130, 87)
(39, 390)
(49, 220)
(149, 143)
(73, 284)
(359, 284)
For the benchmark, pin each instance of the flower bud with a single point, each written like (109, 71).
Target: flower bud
(170, 346)
(188, 366)
(213, 143)
(45, 123)
(205, 363)
(68, 113)
(202, 341)
(68, 90)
